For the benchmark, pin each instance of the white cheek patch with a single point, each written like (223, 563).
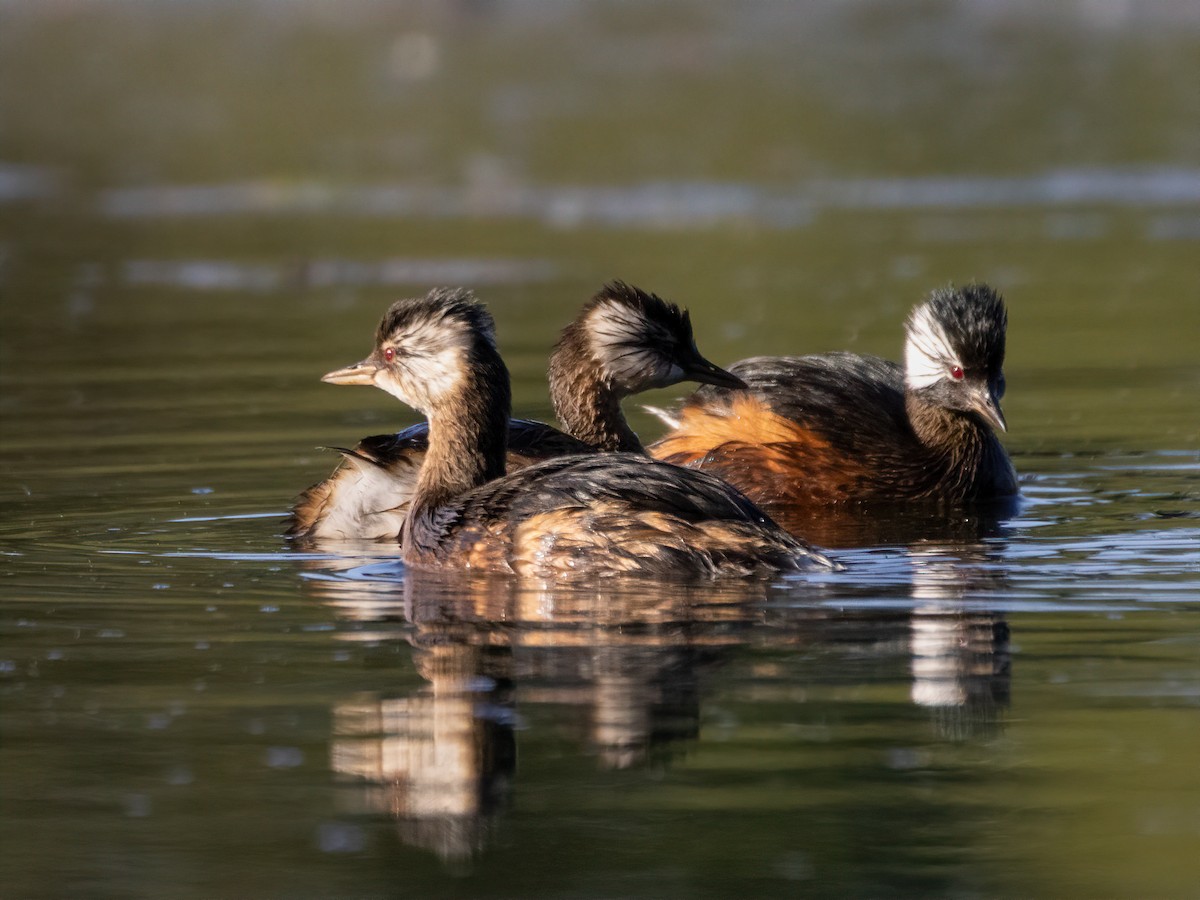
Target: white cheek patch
(421, 379)
(927, 352)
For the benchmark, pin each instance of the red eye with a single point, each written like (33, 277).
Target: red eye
(956, 373)
(389, 353)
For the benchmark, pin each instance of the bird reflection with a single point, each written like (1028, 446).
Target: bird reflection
(629, 654)
(439, 761)
(961, 664)
(631, 663)
(960, 660)
(911, 524)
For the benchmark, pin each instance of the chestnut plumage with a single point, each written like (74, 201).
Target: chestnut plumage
(840, 428)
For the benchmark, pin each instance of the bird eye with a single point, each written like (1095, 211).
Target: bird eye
(389, 353)
(956, 372)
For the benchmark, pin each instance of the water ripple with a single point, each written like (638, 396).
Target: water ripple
(229, 275)
(666, 204)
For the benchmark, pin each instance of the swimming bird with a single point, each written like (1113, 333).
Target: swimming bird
(623, 341)
(591, 515)
(839, 428)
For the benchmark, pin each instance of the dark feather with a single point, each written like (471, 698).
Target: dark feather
(840, 427)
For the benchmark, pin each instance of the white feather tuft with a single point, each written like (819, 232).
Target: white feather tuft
(613, 325)
(927, 352)
(630, 349)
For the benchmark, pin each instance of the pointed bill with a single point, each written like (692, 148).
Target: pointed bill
(987, 404)
(701, 370)
(359, 373)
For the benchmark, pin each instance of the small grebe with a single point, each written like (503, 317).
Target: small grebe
(842, 428)
(623, 341)
(587, 515)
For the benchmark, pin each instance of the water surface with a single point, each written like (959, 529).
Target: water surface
(203, 208)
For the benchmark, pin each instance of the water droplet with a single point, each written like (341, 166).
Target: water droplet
(268, 608)
(110, 633)
(202, 490)
(7, 666)
(160, 587)
(201, 645)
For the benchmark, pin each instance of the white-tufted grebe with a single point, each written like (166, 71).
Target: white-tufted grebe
(624, 341)
(598, 514)
(840, 428)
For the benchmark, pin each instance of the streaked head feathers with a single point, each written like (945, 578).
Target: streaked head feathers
(641, 341)
(956, 327)
(424, 347)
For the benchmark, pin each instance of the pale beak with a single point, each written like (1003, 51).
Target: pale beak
(987, 404)
(359, 373)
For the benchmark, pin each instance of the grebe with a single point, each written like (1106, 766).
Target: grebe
(623, 341)
(598, 514)
(840, 428)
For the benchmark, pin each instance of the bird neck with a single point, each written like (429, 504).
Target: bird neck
(955, 436)
(586, 401)
(468, 433)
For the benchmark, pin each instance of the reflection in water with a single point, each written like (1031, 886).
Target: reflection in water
(440, 761)
(912, 524)
(645, 702)
(961, 665)
(634, 658)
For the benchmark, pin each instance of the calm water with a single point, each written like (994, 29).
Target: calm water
(205, 206)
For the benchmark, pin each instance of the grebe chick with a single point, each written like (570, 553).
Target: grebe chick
(841, 428)
(623, 341)
(592, 515)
